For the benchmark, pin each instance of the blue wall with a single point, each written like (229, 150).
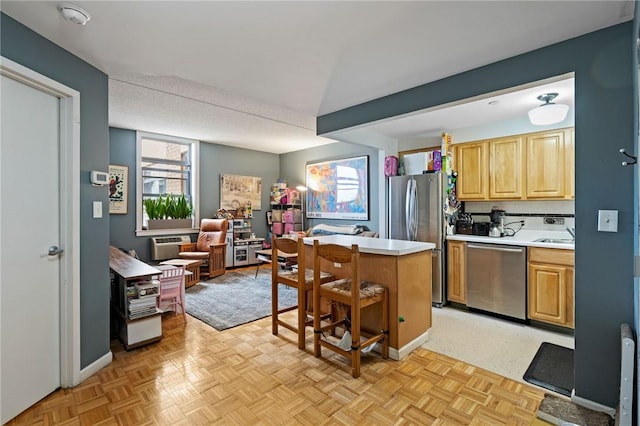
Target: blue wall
(29, 49)
(605, 122)
(214, 160)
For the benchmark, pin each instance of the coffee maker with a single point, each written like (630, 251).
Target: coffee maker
(496, 228)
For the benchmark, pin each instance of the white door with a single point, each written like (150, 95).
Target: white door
(29, 226)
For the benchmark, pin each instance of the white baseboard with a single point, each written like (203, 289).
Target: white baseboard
(398, 354)
(592, 405)
(95, 366)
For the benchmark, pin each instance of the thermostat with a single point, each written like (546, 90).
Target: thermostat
(99, 178)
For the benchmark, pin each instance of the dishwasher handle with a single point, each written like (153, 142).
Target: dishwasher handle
(488, 247)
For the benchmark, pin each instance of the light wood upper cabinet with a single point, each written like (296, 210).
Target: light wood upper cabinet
(551, 286)
(456, 271)
(506, 168)
(570, 164)
(545, 165)
(471, 162)
(532, 166)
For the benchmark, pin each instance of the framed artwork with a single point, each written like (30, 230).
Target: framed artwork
(118, 193)
(236, 192)
(338, 189)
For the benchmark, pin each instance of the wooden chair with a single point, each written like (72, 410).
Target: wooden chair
(352, 297)
(172, 288)
(300, 279)
(211, 247)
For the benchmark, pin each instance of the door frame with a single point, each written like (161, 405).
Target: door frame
(69, 140)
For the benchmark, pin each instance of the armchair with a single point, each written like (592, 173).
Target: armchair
(211, 247)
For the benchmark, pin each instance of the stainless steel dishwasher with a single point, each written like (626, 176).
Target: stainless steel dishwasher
(497, 279)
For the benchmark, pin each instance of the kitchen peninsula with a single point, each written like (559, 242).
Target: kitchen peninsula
(405, 268)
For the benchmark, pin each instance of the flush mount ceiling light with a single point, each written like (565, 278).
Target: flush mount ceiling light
(548, 112)
(75, 14)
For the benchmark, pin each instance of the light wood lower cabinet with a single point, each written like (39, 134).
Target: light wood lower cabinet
(551, 286)
(457, 271)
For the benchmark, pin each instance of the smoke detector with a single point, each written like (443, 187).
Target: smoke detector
(75, 14)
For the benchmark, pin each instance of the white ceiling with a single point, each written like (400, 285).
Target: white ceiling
(255, 74)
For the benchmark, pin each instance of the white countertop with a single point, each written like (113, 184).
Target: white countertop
(522, 238)
(374, 245)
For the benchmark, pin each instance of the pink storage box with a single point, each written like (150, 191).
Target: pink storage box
(292, 216)
(288, 228)
(390, 165)
(277, 228)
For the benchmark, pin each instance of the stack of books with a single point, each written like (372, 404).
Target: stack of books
(139, 308)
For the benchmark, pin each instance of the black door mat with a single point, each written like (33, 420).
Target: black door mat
(556, 410)
(552, 368)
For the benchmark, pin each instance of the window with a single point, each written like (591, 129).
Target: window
(166, 166)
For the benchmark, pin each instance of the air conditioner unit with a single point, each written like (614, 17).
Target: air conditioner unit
(163, 248)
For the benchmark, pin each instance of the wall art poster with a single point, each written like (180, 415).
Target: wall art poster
(236, 192)
(338, 189)
(118, 183)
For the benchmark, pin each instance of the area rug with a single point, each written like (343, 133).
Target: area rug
(552, 368)
(235, 298)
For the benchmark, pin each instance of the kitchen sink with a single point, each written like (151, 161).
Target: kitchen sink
(555, 240)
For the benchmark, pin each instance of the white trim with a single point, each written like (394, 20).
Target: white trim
(382, 195)
(399, 354)
(69, 213)
(195, 177)
(96, 366)
(592, 405)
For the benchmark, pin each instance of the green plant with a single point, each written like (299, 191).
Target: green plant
(151, 207)
(168, 207)
(181, 208)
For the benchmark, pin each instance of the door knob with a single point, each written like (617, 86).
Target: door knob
(55, 250)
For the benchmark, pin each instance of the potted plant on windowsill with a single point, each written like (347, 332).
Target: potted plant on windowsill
(168, 212)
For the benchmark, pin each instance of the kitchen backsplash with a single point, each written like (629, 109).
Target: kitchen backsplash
(534, 212)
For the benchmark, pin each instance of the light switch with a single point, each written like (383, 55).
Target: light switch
(97, 209)
(608, 220)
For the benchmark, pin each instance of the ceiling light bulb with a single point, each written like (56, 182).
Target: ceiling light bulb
(548, 113)
(75, 14)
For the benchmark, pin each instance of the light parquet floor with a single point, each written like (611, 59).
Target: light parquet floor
(246, 376)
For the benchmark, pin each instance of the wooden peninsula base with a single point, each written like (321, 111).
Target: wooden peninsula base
(405, 268)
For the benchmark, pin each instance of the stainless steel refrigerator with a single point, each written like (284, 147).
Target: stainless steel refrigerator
(415, 214)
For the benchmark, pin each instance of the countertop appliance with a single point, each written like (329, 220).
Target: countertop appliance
(496, 228)
(497, 279)
(415, 214)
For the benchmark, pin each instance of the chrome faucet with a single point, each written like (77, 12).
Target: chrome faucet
(572, 231)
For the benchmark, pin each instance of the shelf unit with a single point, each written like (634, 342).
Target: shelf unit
(286, 218)
(241, 246)
(132, 330)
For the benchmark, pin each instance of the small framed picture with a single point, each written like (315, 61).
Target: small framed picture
(118, 183)
(269, 218)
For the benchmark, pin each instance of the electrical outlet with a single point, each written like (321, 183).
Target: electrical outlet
(553, 220)
(608, 220)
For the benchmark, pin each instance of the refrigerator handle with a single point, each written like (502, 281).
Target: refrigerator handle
(407, 210)
(414, 210)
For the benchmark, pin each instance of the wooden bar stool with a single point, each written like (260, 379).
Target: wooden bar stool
(354, 298)
(300, 279)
